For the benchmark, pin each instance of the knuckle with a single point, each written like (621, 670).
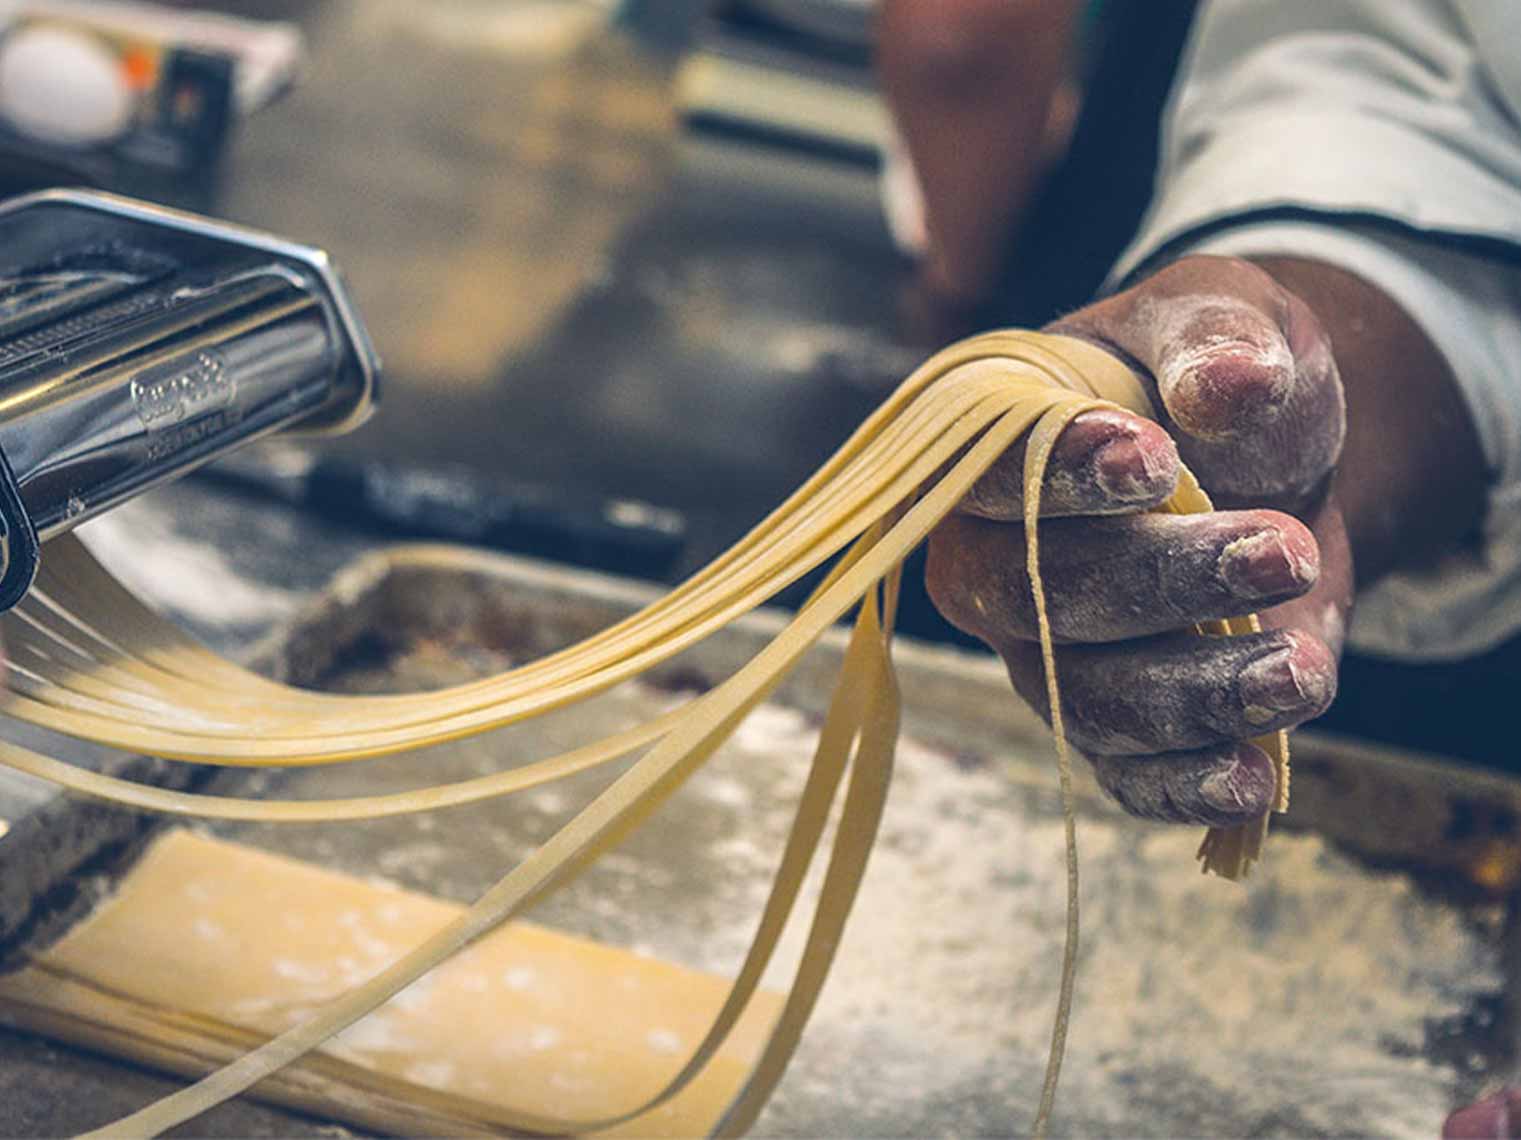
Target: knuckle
(1135, 785)
(964, 584)
(998, 493)
(943, 580)
(1027, 674)
(1116, 726)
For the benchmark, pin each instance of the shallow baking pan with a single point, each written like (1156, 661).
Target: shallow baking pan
(1359, 983)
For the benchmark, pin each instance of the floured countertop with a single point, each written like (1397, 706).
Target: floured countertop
(1314, 1000)
(1322, 997)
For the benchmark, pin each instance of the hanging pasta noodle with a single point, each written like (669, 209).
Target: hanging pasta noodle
(89, 660)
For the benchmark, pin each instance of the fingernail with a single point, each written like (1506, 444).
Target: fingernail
(1271, 685)
(1219, 387)
(1241, 790)
(1261, 565)
(1128, 472)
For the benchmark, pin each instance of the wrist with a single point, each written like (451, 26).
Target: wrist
(1411, 481)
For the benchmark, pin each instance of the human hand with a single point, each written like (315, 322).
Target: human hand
(1253, 404)
(1496, 1116)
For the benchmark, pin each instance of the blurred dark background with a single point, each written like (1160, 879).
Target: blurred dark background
(621, 317)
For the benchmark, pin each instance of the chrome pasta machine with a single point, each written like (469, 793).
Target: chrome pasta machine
(137, 343)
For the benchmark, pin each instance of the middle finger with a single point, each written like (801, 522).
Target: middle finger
(1182, 692)
(1111, 579)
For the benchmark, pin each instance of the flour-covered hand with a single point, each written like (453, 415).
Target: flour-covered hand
(1243, 377)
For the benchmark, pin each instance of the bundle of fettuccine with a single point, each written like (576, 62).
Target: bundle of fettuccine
(88, 660)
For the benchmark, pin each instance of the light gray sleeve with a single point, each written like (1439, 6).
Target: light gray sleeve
(1373, 136)
(1379, 109)
(1470, 306)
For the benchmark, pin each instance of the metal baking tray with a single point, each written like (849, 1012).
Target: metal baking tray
(1355, 985)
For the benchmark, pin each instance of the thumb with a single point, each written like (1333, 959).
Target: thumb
(1242, 369)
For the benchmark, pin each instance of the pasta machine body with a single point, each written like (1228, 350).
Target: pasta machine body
(137, 343)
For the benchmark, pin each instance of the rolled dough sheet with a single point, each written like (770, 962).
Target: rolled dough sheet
(208, 947)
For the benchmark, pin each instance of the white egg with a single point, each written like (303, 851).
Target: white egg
(62, 86)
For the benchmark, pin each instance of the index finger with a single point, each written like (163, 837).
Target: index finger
(1106, 462)
(1242, 368)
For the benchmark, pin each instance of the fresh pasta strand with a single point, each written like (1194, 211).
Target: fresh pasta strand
(89, 660)
(300, 736)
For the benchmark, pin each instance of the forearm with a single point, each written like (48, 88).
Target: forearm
(1411, 481)
(971, 83)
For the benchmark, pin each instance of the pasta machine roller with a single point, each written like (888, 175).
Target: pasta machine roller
(137, 343)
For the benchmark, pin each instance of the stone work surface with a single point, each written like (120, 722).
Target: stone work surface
(544, 261)
(1320, 998)
(1302, 1003)
(1306, 1002)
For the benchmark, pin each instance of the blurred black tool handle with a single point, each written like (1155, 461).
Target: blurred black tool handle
(455, 504)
